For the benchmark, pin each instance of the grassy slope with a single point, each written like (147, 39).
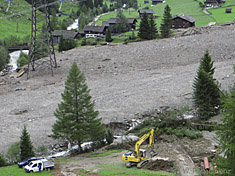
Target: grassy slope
(16, 171)
(8, 24)
(220, 15)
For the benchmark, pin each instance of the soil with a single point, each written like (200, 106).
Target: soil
(125, 80)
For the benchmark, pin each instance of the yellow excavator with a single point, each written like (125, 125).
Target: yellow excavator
(138, 156)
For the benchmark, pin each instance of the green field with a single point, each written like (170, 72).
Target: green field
(8, 22)
(16, 171)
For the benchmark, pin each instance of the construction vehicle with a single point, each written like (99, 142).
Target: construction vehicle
(138, 156)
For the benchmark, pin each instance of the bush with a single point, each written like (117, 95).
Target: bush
(125, 41)
(23, 60)
(42, 150)
(83, 43)
(66, 44)
(2, 160)
(109, 137)
(91, 41)
(5, 58)
(13, 153)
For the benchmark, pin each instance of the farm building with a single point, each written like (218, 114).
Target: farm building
(148, 11)
(228, 10)
(213, 3)
(155, 2)
(146, 2)
(95, 30)
(183, 21)
(112, 21)
(66, 35)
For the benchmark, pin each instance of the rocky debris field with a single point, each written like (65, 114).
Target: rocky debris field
(125, 80)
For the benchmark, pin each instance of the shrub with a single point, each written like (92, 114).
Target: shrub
(83, 43)
(91, 41)
(126, 41)
(5, 58)
(66, 44)
(23, 60)
(109, 137)
(2, 160)
(13, 153)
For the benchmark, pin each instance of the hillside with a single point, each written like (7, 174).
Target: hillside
(125, 80)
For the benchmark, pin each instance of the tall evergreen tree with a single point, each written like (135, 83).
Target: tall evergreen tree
(108, 37)
(77, 120)
(207, 64)
(152, 28)
(226, 134)
(121, 23)
(206, 91)
(26, 146)
(144, 27)
(166, 24)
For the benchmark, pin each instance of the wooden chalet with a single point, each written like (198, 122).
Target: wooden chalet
(213, 3)
(146, 2)
(148, 11)
(95, 30)
(155, 2)
(183, 21)
(112, 21)
(67, 34)
(228, 10)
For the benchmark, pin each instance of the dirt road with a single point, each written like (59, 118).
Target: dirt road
(124, 80)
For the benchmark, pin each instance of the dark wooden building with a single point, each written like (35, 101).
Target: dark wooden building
(146, 2)
(95, 30)
(228, 10)
(183, 21)
(67, 34)
(148, 11)
(155, 2)
(213, 3)
(112, 21)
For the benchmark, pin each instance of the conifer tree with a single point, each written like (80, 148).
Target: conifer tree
(152, 28)
(77, 120)
(121, 23)
(207, 64)
(144, 27)
(206, 91)
(108, 37)
(166, 24)
(26, 147)
(226, 133)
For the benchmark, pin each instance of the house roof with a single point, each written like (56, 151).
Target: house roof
(94, 28)
(185, 17)
(114, 20)
(148, 11)
(157, 0)
(66, 33)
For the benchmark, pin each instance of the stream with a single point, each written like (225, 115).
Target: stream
(14, 56)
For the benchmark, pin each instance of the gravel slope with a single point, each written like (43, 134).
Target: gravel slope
(124, 80)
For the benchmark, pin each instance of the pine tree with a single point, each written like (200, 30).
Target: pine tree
(152, 28)
(206, 64)
(226, 133)
(165, 28)
(121, 23)
(76, 118)
(144, 27)
(108, 37)
(26, 147)
(206, 91)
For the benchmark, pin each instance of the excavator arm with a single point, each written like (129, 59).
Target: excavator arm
(138, 155)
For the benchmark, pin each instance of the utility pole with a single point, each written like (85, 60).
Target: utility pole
(41, 44)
